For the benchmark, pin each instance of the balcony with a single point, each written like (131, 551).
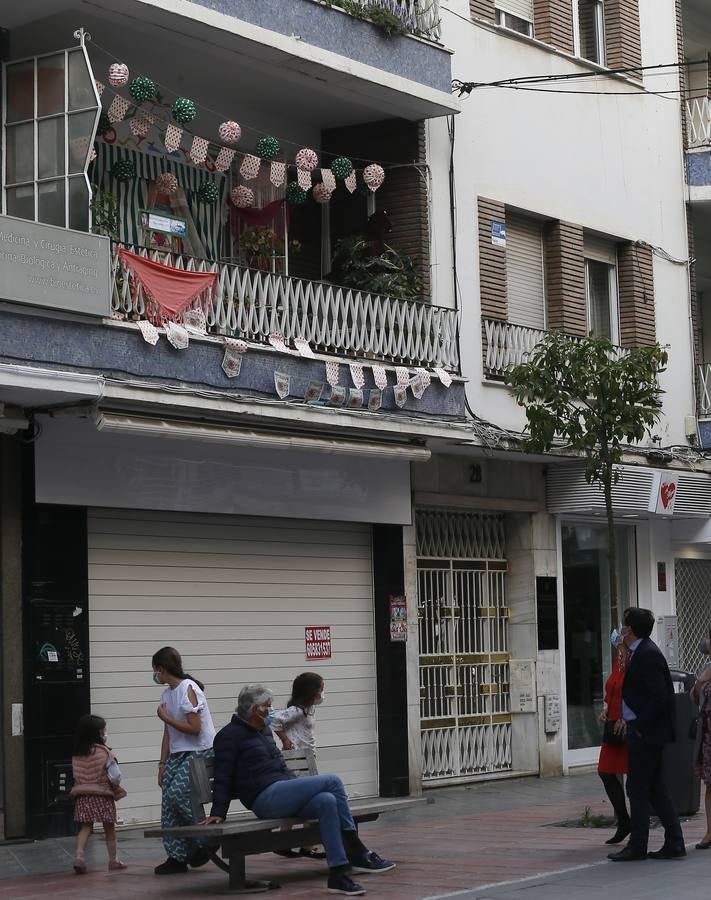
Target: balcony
(507, 345)
(698, 119)
(253, 305)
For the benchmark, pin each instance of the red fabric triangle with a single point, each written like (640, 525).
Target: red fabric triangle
(172, 290)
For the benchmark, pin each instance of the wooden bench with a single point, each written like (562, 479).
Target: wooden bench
(245, 834)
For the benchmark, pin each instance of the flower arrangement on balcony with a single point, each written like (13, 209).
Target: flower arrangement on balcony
(390, 16)
(261, 246)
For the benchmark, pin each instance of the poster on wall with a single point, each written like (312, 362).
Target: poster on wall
(398, 618)
(318, 641)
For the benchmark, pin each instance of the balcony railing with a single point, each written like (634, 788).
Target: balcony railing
(251, 304)
(704, 388)
(421, 17)
(506, 345)
(698, 119)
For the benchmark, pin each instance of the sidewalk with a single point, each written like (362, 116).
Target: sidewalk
(487, 837)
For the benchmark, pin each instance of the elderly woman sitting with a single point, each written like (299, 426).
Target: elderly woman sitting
(250, 768)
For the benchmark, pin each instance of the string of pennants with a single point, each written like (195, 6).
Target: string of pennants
(183, 110)
(194, 322)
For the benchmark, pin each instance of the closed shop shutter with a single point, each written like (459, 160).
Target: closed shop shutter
(524, 272)
(233, 595)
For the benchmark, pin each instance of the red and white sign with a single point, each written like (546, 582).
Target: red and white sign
(664, 493)
(318, 641)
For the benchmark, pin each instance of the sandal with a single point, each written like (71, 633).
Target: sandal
(311, 853)
(79, 866)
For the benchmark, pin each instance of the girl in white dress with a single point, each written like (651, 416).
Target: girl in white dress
(295, 728)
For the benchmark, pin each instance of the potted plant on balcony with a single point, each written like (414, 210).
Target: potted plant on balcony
(263, 249)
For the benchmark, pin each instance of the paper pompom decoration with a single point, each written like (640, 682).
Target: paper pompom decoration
(242, 196)
(230, 132)
(183, 110)
(166, 183)
(306, 159)
(373, 176)
(208, 193)
(295, 194)
(104, 124)
(321, 193)
(118, 74)
(268, 148)
(142, 89)
(342, 167)
(124, 170)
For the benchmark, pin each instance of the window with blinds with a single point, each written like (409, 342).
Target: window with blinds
(590, 30)
(516, 15)
(601, 287)
(525, 292)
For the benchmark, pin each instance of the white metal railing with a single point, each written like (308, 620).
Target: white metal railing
(252, 305)
(508, 345)
(704, 384)
(698, 119)
(421, 17)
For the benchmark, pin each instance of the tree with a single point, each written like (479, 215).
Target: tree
(597, 399)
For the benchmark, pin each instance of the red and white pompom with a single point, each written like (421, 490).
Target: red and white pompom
(306, 159)
(242, 196)
(373, 176)
(321, 193)
(167, 183)
(230, 132)
(118, 74)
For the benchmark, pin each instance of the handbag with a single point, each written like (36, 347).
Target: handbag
(610, 736)
(119, 792)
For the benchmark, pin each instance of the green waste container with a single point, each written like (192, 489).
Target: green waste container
(680, 757)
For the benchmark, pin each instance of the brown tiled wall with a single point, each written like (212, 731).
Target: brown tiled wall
(482, 9)
(553, 23)
(492, 262)
(635, 275)
(565, 278)
(622, 38)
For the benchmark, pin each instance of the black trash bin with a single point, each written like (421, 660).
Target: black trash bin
(680, 757)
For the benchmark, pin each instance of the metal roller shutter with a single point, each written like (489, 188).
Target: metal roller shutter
(524, 272)
(521, 8)
(233, 595)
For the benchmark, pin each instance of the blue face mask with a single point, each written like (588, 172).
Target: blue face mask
(616, 636)
(269, 719)
(156, 678)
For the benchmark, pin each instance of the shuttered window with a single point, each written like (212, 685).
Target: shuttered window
(601, 287)
(522, 9)
(524, 271)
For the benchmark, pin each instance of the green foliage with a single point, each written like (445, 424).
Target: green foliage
(592, 820)
(391, 274)
(105, 218)
(376, 13)
(591, 395)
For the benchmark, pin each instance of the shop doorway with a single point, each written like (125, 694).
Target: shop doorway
(588, 623)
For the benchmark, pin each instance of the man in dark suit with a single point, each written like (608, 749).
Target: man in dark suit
(648, 710)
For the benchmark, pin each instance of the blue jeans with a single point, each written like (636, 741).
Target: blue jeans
(321, 797)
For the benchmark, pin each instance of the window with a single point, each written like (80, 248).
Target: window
(589, 30)
(50, 111)
(514, 22)
(525, 293)
(601, 288)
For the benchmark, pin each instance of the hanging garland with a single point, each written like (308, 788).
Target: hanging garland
(295, 194)
(342, 167)
(142, 89)
(209, 193)
(230, 132)
(267, 148)
(118, 74)
(184, 111)
(124, 171)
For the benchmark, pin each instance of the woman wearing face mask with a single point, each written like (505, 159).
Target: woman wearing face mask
(295, 728)
(612, 765)
(187, 731)
(701, 694)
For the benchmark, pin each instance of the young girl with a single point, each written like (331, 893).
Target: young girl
(295, 728)
(188, 731)
(96, 784)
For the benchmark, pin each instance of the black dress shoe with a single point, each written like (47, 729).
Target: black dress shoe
(668, 853)
(622, 832)
(201, 857)
(171, 867)
(628, 854)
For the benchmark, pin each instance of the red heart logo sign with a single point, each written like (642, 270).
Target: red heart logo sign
(668, 491)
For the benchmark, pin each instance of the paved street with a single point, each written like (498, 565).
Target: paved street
(490, 840)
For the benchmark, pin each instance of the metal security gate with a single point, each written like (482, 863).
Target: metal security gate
(693, 582)
(464, 660)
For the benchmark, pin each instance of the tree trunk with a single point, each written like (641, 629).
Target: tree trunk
(611, 545)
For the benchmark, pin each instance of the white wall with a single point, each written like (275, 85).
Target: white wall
(609, 163)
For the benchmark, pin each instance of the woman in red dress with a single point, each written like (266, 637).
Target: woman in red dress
(612, 765)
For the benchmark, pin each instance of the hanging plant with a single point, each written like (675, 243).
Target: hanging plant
(142, 89)
(105, 216)
(267, 148)
(295, 194)
(341, 167)
(208, 193)
(104, 124)
(184, 111)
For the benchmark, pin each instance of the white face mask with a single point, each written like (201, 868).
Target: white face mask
(319, 700)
